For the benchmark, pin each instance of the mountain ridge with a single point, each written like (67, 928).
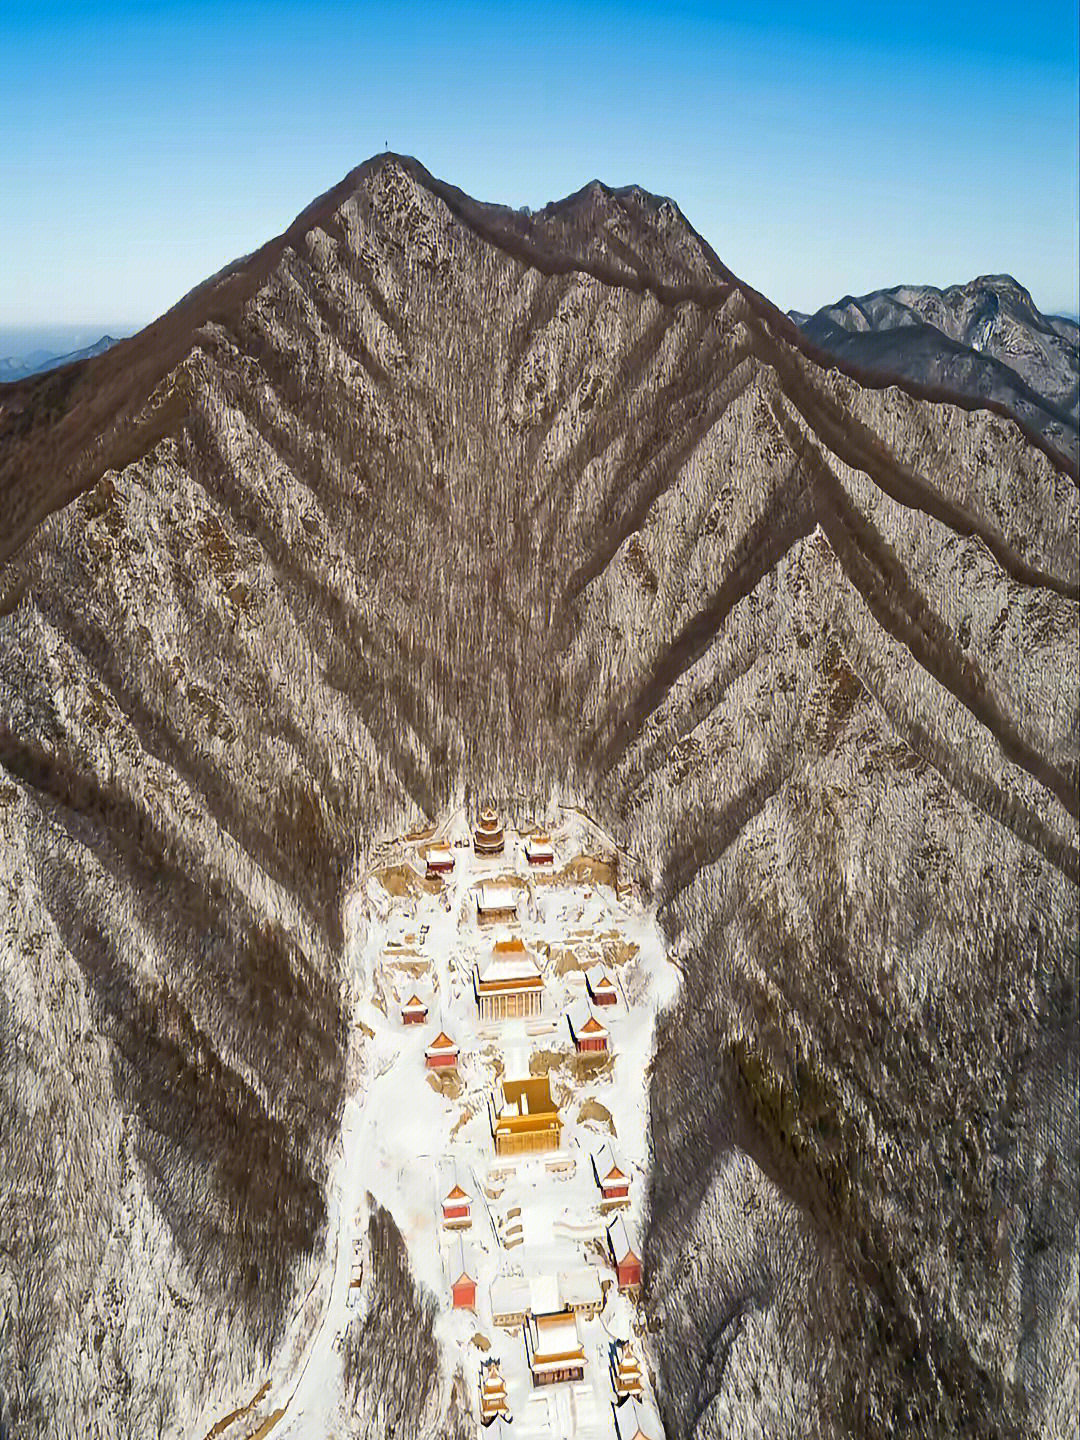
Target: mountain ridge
(986, 338)
(421, 524)
(15, 367)
(128, 381)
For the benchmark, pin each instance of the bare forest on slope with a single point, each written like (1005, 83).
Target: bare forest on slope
(431, 500)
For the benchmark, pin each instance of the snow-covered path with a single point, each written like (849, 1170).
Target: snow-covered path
(309, 1408)
(309, 1391)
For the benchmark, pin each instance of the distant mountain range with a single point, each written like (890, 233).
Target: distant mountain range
(986, 339)
(17, 367)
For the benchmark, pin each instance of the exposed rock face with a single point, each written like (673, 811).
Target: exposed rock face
(430, 496)
(986, 339)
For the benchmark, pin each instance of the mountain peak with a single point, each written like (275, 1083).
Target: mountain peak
(623, 238)
(429, 501)
(984, 338)
(1003, 283)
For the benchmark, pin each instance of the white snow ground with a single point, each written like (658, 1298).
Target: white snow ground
(405, 1143)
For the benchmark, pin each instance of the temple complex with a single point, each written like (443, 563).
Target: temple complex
(538, 992)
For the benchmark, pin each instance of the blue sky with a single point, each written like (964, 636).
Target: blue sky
(821, 148)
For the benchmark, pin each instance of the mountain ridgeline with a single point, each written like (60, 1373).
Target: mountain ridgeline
(432, 499)
(18, 367)
(986, 339)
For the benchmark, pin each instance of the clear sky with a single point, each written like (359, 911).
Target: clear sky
(821, 146)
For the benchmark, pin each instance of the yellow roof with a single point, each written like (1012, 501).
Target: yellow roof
(509, 983)
(532, 1092)
(561, 1333)
(496, 898)
(511, 967)
(528, 1106)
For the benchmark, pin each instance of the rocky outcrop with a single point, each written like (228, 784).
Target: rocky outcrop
(430, 498)
(986, 339)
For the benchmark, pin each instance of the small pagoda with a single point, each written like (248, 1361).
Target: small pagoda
(493, 1401)
(488, 837)
(457, 1209)
(414, 1011)
(442, 1053)
(588, 1033)
(625, 1370)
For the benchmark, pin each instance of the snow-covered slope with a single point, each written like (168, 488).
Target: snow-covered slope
(430, 502)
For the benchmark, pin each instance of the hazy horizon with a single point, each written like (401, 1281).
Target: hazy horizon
(820, 150)
(60, 339)
(18, 341)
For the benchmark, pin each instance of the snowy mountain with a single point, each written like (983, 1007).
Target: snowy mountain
(431, 502)
(15, 367)
(986, 339)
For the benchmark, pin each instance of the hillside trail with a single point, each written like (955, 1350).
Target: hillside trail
(312, 1404)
